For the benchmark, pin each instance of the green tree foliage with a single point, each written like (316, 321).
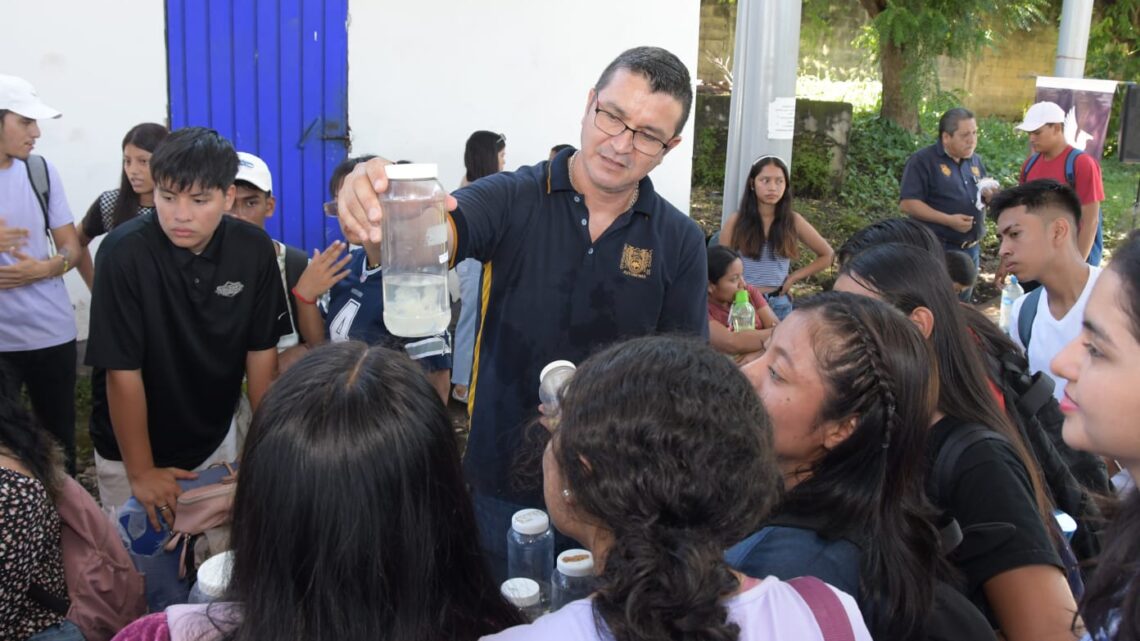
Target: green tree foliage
(907, 36)
(1114, 41)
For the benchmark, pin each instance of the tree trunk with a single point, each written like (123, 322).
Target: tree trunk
(897, 106)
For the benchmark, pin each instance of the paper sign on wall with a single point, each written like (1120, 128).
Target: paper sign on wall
(781, 118)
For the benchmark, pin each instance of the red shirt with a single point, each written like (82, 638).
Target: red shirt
(719, 312)
(1086, 174)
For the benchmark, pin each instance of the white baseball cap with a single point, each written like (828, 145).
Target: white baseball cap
(18, 95)
(1041, 114)
(254, 171)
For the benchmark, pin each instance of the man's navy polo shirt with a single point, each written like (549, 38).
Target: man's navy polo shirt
(549, 294)
(187, 321)
(933, 177)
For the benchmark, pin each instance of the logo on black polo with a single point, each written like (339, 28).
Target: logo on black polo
(945, 169)
(636, 262)
(230, 289)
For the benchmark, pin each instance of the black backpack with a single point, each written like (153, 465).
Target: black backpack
(1071, 476)
(962, 438)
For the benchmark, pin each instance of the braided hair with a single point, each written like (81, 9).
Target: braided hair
(666, 444)
(876, 369)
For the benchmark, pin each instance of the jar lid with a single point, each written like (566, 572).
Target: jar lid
(576, 563)
(530, 521)
(550, 367)
(413, 171)
(522, 593)
(214, 574)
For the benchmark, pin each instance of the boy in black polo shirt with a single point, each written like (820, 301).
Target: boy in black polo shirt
(187, 302)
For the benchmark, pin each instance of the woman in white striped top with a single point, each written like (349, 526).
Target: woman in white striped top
(767, 233)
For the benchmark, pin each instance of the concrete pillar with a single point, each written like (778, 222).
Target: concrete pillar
(1073, 39)
(763, 71)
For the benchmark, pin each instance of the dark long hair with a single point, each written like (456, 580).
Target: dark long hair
(679, 466)
(351, 519)
(748, 235)
(891, 230)
(877, 369)
(481, 155)
(720, 257)
(1114, 584)
(908, 277)
(146, 137)
(22, 436)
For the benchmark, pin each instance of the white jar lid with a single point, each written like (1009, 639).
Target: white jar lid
(522, 593)
(530, 521)
(550, 367)
(576, 563)
(214, 574)
(413, 171)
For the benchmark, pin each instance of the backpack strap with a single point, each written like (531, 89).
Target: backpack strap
(826, 607)
(41, 184)
(1029, 165)
(295, 263)
(1070, 167)
(1027, 316)
(955, 445)
(40, 594)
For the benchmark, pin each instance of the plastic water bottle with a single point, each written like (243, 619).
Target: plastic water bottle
(159, 568)
(742, 316)
(414, 250)
(573, 578)
(525, 595)
(530, 549)
(1011, 292)
(551, 381)
(213, 578)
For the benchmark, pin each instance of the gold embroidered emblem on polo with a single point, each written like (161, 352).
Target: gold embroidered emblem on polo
(636, 262)
(945, 169)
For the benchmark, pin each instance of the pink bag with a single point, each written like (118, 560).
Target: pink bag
(105, 591)
(202, 510)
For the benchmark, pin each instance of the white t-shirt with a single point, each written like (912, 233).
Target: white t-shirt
(1050, 335)
(770, 610)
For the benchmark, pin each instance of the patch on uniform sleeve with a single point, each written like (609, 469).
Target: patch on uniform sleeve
(945, 169)
(636, 262)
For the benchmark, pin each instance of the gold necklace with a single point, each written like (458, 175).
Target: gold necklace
(570, 168)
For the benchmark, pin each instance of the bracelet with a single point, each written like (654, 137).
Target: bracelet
(303, 299)
(66, 264)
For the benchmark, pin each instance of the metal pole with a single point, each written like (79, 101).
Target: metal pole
(1073, 38)
(763, 86)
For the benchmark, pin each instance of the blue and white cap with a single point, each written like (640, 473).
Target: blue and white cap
(254, 171)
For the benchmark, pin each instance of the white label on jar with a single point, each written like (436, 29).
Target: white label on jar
(443, 258)
(436, 235)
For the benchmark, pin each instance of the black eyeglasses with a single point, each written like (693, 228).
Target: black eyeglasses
(611, 125)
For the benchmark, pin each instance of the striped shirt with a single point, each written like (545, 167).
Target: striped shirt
(769, 270)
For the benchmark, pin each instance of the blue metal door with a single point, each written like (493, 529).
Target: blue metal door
(272, 76)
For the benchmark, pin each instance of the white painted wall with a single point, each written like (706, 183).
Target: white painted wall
(103, 64)
(423, 75)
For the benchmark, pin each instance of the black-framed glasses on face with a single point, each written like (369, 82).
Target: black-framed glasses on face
(611, 125)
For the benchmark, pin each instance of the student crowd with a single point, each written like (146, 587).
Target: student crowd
(879, 461)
